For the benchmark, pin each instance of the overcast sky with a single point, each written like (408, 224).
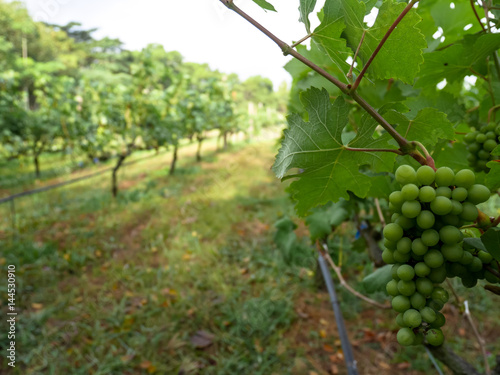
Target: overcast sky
(201, 30)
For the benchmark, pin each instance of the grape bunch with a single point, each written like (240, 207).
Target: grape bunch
(425, 244)
(480, 143)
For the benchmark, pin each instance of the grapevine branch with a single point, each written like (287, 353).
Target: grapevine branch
(382, 42)
(404, 145)
(323, 249)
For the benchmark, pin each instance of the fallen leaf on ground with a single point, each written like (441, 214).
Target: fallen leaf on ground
(202, 339)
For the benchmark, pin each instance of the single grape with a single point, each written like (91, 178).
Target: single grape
(465, 178)
(459, 194)
(388, 256)
(441, 206)
(443, 191)
(401, 303)
(428, 314)
(411, 209)
(433, 258)
(450, 234)
(433, 336)
(476, 265)
(485, 257)
(405, 222)
(437, 275)
(456, 207)
(426, 194)
(396, 198)
(393, 232)
(452, 253)
(410, 192)
(478, 194)
(406, 272)
(430, 237)
(392, 288)
(440, 294)
(418, 247)
(417, 301)
(401, 257)
(424, 286)
(399, 320)
(466, 258)
(405, 336)
(425, 175)
(412, 318)
(490, 145)
(426, 219)
(444, 176)
(405, 174)
(406, 288)
(470, 212)
(422, 269)
(404, 245)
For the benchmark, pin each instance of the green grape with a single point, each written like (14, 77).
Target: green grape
(405, 336)
(401, 257)
(406, 272)
(388, 256)
(476, 265)
(490, 136)
(417, 301)
(418, 247)
(393, 232)
(433, 258)
(411, 209)
(405, 222)
(444, 176)
(456, 207)
(478, 194)
(440, 294)
(459, 194)
(437, 275)
(441, 206)
(466, 258)
(439, 321)
(465, 178)
(425, 175)
(426, 219)
(481, 138)
(401, 303)
(485, 257)
(443, 191)
(399, 320)
(483, 154)
(490, 145)
(412, 318)
(452, 253)
(430, 237)
(435, 304)
(410, 192)
(428, 314)
(469, 137)
(404, 245)
(450, 234)
(470, 212)
(389, 244)
(405, 174)
(392, 288)
(469, 280)
(489, 277)
(426, 194)
(422, 269)
(424, 286)
(434, 337)
(406, 288)
(396, 198)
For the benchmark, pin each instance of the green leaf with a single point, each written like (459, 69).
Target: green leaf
(285, 237)
(476, 243)
(321, 221)
(305, 8)
(452, 155)
(491, 241)
(328, 36)
(329, 170)
(426, 127)
(493, 177)
(456, 61)
(264, 5)
(376, 281)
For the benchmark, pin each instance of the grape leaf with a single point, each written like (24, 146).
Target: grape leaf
(264, 5)
(491, 240)
(476, 243)
(450, 155)
(305, 8)
(328, 36)
(493, 177)
(442, 101)
(427, 127)
(456, 61)
(376, 281)
(321, 221)
(285, 237)
(329, 170)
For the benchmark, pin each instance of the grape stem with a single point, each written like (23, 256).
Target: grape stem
(301, 41)
(379, 212)
(493, 271)
(323, 250)
(349, 75)
(477, 15)
(428, 157)
(403, 143)
(491, 112)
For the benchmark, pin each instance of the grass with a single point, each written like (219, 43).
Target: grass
(179, 275)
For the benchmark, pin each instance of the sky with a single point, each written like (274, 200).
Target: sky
(203, 31)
